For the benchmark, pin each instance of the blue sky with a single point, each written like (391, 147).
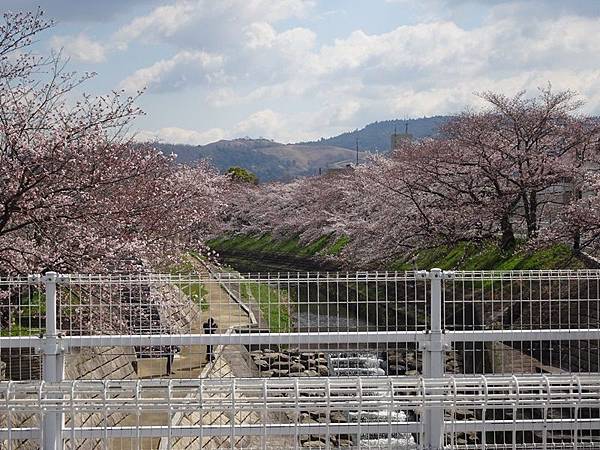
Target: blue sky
(295, 70)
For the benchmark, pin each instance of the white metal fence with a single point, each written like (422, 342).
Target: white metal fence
(554, 411)
(149, 338)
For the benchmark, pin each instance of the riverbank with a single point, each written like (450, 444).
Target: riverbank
(265, 253)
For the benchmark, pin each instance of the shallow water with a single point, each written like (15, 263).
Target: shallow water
(313, 321)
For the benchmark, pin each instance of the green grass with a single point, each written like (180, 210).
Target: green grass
(197, 292)
(197, 256)
(461, 256)
(468, 256)
(21, 330)
(316, 247)
(337, 246)
(325, 245)
(35, 307)
(555, 257)
(272, 303)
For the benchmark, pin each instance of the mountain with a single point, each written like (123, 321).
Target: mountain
(269, 160)
(377, 135)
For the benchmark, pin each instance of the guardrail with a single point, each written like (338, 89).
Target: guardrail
(488, 321)
(557, 411)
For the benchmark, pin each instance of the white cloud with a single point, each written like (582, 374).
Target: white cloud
(531, 8)
(272, 57)
(163, 21)
(436, 45)
(183, 69)
(220, 97)
(295, 42)
(265, 123)
(80, 48)
(288, 127)
(434, 68)
(301, 88)
(208, 24)
(345, 111)
(76, 11)
(259, 35)
(174, 135)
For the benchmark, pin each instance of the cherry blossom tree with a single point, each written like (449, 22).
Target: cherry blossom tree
(581, 219)
(306, 208)
(76, 194)
(502, 171)
(523, 147)
(517, 168)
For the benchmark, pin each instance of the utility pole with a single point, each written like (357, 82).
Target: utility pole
(357, 150)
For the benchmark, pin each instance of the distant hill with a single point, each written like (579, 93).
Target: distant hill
(269, 160)
(377, 135)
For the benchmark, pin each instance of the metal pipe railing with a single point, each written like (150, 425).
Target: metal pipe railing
(320, 393)
(382, 395)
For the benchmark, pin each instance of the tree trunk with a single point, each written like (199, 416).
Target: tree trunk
(577, 241)
(531, 218)
(507, 243)
(577, 231)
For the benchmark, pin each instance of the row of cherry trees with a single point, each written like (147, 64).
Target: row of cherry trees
(524, 168)
(76, 194)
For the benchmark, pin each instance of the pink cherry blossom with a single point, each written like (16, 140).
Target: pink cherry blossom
(76, 193)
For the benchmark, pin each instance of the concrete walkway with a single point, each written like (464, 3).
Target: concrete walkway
(191, 361)
(506, 359)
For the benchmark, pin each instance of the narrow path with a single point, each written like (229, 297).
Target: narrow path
(190, 362)
(506, 359)
(230, 362)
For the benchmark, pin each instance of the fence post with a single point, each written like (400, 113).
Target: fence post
(434, 360)
(53, 366)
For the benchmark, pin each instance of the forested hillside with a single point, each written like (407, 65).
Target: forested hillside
(376, 136)
(273, 161)
(269, 160)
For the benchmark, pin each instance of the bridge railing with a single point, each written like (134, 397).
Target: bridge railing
(553, 411)
(294, 326)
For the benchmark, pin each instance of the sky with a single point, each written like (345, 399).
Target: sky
(297, 70)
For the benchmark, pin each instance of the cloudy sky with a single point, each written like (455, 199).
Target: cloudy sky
(295, 70)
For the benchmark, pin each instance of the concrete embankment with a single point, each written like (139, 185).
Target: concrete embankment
(89, 364)
(116, 363)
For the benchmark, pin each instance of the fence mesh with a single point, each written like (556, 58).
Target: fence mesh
(260, 334)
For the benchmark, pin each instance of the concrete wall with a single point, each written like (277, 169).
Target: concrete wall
(89, 363)
(115, 363)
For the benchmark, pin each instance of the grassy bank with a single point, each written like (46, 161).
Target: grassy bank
(462, 256)
(326, 245)
(273, 304)
(195, 290)
(467, 256)
(197, 293)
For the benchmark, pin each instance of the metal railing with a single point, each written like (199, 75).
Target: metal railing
(295, 327)
(506, 412)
